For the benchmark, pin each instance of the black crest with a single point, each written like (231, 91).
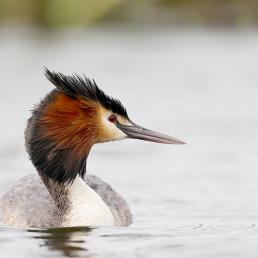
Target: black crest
(74, 86)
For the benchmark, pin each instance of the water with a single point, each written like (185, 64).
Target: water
(196, 200)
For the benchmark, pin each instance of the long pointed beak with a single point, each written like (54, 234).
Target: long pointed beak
(137, 132)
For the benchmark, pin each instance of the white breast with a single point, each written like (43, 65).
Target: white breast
(87, 207)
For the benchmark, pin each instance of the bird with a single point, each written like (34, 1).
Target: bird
(59, 135)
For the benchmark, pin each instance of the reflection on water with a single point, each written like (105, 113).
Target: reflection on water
(59, 242)
(149, 240)
(71, 242)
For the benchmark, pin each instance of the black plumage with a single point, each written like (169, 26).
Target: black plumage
(76, 85)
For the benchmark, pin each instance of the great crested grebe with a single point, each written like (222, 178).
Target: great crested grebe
(59, 135)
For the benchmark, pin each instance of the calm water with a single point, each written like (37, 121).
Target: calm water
(197, 200)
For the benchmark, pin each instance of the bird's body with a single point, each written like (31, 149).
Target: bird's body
(58, 138)
(29, 205)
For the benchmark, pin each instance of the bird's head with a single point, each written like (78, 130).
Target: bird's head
(72, 118)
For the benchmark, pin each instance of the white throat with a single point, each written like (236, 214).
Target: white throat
(87, 207)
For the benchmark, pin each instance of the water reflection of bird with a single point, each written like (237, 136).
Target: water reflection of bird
(70, 241)
(59, 135)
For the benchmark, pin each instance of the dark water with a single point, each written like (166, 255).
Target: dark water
(196, 200)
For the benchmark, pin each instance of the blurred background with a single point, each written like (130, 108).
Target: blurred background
(67, 13)
(185, 68)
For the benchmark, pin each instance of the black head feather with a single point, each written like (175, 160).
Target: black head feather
(74, 86)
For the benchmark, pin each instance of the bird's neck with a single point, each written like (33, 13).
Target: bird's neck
(78, 204)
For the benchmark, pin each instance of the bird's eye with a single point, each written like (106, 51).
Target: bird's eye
(112, 118)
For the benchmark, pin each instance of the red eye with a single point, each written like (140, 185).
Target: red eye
(112, 118)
